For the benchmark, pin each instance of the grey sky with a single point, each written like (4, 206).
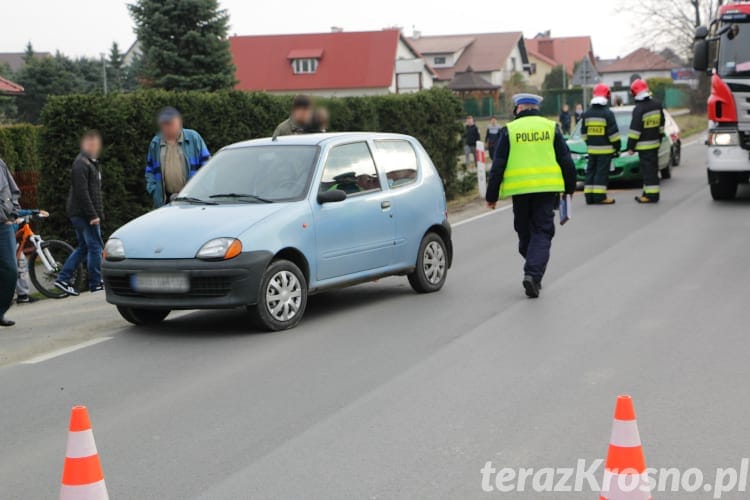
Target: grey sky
(88, 27)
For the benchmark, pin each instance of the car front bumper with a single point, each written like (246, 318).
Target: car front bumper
(626, 169)
(213, 284)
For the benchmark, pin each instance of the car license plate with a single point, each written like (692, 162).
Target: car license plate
(161, 283)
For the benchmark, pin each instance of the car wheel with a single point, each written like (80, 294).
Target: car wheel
(666, 172)
(282, 297)
(676, 154)
(432, 265)
(143, 317)
(724, 190)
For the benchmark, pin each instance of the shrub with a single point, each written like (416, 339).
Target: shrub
(19, 147)
(127, 124)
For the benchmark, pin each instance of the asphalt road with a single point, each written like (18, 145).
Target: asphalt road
(383, 394)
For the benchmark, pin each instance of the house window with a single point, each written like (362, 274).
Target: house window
(618, 84)
(304, 66)
(439, 60)
(513, 64)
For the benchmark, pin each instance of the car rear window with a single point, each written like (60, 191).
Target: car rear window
(398, 160)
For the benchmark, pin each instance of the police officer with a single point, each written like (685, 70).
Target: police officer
(602, 137)
(645, 136)
(532, 164)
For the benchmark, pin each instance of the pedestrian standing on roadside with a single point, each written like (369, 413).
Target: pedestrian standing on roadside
(579, 112)
(86, 211)
(299, 119)
(174, 156)
(533, 166)
(9, 207)
(565, 119)
(471, 137)
(493, 135)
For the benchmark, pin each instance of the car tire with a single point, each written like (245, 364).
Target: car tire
(143, 317)
(724, 190)
(282, 297)
(666, 172)
(676, 154)
(431, 270)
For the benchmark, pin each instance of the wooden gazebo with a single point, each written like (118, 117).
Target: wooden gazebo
(468, 85)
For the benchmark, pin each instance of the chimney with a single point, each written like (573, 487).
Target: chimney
(337, 29)
(416, 34)
(547, 48)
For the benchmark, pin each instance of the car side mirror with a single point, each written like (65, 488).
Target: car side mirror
(700, 55)
(332, 196)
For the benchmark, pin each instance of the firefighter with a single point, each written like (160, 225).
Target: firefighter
(532, 164)
(602, 137)
(645, 136)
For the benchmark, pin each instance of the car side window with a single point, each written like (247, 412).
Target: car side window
(399, 161)
(350, 168)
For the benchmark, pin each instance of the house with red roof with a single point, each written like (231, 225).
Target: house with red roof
(338, 63)
(641, 63)
(492, 57)
(547, 52)
(9, 88)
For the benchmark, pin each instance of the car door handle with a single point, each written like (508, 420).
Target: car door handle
(385, 205)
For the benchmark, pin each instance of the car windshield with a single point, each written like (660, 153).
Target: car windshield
(256, 174)
(734, 55)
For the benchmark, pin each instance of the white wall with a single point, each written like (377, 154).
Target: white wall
(407, 71)
(624, 77)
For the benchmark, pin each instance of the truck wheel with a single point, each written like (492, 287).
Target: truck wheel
(282, 297)
(724, 189)
(143, 317)
(432, 265)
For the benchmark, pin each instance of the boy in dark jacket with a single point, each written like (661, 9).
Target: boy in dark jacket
(86, 211)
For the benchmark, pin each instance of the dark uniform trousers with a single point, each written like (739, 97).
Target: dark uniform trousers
(534, 221)
(650, 172)
(8, 266)
(597, 177)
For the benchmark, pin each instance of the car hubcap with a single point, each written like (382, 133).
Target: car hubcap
(283, 296)
(434, 262)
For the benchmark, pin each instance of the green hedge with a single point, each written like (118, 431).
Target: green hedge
(127, 125)
(19, 147)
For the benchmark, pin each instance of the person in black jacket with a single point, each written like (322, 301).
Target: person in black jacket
(86, 211)
(9, 207)
(471, 137)
(602, 136)
(645, 136)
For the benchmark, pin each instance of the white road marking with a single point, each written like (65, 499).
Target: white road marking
(65, 350)
(482, 216)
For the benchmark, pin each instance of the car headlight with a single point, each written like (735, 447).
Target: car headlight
(723, 139)
(114, 249)
(220, 249)
(576, 156)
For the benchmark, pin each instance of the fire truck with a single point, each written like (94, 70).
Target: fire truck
(723, 49)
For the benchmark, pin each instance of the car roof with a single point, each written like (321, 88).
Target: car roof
(317, 139)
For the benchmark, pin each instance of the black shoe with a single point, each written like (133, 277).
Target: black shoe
(531, 286)
(6, 322)
(67, 288)
(98, 288)
(26, 299)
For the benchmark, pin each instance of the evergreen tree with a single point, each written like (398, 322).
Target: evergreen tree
(28, 53)
(115, 70)
(184, 43)
(555, 79)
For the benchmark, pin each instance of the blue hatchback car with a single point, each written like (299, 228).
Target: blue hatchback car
(267, 222)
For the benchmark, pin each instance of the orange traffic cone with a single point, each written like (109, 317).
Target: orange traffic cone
(625, 475)
(82, 477)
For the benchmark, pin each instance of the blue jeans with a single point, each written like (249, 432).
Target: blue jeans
(8, 267)
(90, 248)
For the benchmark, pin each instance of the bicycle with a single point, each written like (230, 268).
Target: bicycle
(45, 259)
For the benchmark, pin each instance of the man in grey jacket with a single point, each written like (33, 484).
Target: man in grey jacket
(9, 195)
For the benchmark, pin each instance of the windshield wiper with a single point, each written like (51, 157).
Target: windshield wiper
(242, 195)
(192, 199)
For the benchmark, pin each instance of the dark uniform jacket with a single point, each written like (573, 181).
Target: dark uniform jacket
(502, 152)
(9, 195)
(85, 196)
(647, 127)
(600, 131)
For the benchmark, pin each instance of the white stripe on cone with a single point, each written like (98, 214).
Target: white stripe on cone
(81, 444)
(93, 491)
(626, 486)
(625, 434)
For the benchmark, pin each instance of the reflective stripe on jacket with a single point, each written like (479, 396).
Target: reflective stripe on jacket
(532, 163)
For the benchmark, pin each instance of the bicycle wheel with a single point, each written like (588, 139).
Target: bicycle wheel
(56, 252)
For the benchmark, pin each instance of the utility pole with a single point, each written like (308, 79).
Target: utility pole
(104, 72)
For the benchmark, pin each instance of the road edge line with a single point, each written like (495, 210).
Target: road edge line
(65, 350)
(481, 216)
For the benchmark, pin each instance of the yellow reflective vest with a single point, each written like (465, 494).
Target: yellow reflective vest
(532, 163)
